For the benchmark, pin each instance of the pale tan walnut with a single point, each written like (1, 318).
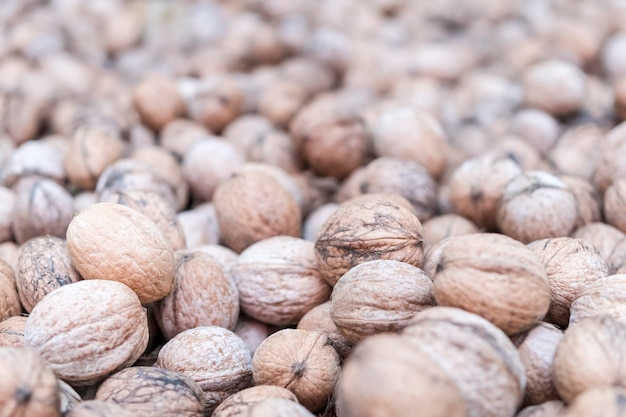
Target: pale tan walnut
(316, 219)
(22, 115)
(571, 265)
(44, 265)
(216, 358)
(608, 165)
(203, 295)
(278, 280)
(537, 205)
(477, 186)
(446, 225)
(225, 256)
(576, 150)
(157, 100)
(150, 391)
(42, 207)
(240, 403)
(279, 407)
(251, 331)
(29, 386)
(366, 228)
(478, 357)
(244, 131)
(34, 158)
(8, 197)
(217, 101)
(200, 226)
(69, 397)
(155, 208)
(606, 296)
(537, 127)
(12, 331)
(554, 86)
(587, 199)
(275, 147)
(312, 75)
(301, 361)
(536, 348)
(379, 296)
(318, 319)
(519, 150)
(610, 242)
(590, 356)
(97, 408)
(253, 205)
(85, 199)
(599, 402)
(93, 148)
(67, 328)
(9, 299)
(386, 376)
(180, 134)
(9, 255)
(615, 204)
(280, 101)
(114, 242)
(553, 408)
(491, 275)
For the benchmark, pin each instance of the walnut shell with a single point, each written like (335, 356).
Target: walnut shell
(241, 402)
(491, 275)
(9, 299)
(65, 327)
(44, 265)
(571, 265)
(537, 127)
(114, 242)
(590, 355)
(12, 331)
(611, 152)
(200, 226)
(157, 100)
(379, 296)
(254, 205)
(554, 408)
(217, 102)
(315, 220)
(599, 402)
(251, 331)
(615, 204)
(587, 199)
(301, 361)
(244, 131)
(8, 198)
(365, 228)
(34, 158)
(217, 359)
(180, 134)
(69, 397)
(605, 296)
(279, 407)
(279, 102)
(554, 86)
(318, 319)
(610, 242)
(150, 391)
(97, 408)
(278, 280)
(9, 255)
(375, 383)
(476, 355)
(203, 295)
(576, 150)
(224, 256)
(275, 147)
(446, 225)
(29, 387)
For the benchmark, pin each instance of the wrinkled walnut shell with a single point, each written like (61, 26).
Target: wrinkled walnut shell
(241, 402)
(318, 319)
(12, 331)
(605, 296)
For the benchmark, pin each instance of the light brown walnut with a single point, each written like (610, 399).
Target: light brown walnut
(8, 198)
(157, 100)
(9, 299)
(605, 296)
(446, 225)
(553, 408)
(34, 158)
(615, 204)
(251, 331)
(279, 407)
(240, 403)
(200, 226)
(12, 331)
(608, 240)
(599, 402)
(318, 319)
(587, 199)
(180, 134)
(97, 408)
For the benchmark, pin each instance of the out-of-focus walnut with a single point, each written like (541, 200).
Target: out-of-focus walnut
(241, 402)
(615, 204)
(157, 100)
(609, 241)
(34, 158)
(605, 401)
(554, 86)
(200, 226)
(587, 199)
(12, 331)
(605, 296)
(446, 225)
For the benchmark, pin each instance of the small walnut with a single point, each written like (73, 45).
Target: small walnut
(609, 241)
(589, 356)
(34, 158)
(251, 331)
(599, 402)
(12, 331)
(615, 204)
(241, 402)
(379, 296)
(386, 376)
(365, 228)
(491, 275)
(244, 131)
(553, 408)
(571, 265)
(67, 325)
(44, 265)
(216, 358)
(200, 226)
(315, 221)
(114, 242)
(29, 387)
(8, 198)
(537, 205)
(275, 147)
(278, 280)
(576, 150)
(537, 127)
(217, 101)
(157, 100)
(318, 319)
(279, 102)
(587, 199)
(203, 295)
(605, 296)
(301, 361)
(478, 357)
(150, 391)
(180, 134)
(446, 225)
(608, 165)
(97, 408)
(554, 86)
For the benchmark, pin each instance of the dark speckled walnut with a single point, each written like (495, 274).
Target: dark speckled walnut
(150, 391)
(240, 403)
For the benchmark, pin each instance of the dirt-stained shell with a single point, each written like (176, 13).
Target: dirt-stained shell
(12, 331)
(241, 402)
(605, 296)
(599, 402)
(150, 391)
(114, 242)
(67, 325)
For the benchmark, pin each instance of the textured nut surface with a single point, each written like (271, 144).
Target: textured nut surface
(554, 408)
(214, 357)
(29, 387)
(475, 354)
(97, 408)
(599, 402)
(571, 265)
(67, 325)
(301, 361)
(490, 275)
(279, 407)
(241, 402)
(587, 199)
(44, 265)
(114, 242)
(365, 228)
(12, 331)
(375, 383)
(446, 225)
(615, 204)
(608, 240)
(318, 319)
(379, 296)
(157, 100)
(151, 391)
(316, 219)
(9, 299)
(278, 280)
(606, 296)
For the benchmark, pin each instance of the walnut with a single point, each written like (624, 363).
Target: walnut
(203, 295)
(608, 165)
(251, 331)
(34, 158)
(150, 391)
(576, 150)
(157, 100)
(478, 357)
(200, 226)
(217, 359)
(605, 401)
(301, 361)
(274, 147)
(537, 205)
(312, 75)
(446, 225)
(604, 296)
(571, 265)
(44, 265)
(8, 198)
(537, 127)
(279, 407)
(217, 101)
(278, 280)
(29, 387)
(319, 319)
(9, 299)
(241, 402)
(365, 228)
(315, 220)
(63, 332)
(12, 331)
(615, 204)
(587, 199)
(554, 86)
(244, 131)
(279, 102)
(610, 242)
(379, 296)
(180, 134)
(97, 408)
(21, 115)
(553, 408)
(224, 256)
(84, 200)
(114, 242)
(372, 380)
(590, 356)
(9, 255)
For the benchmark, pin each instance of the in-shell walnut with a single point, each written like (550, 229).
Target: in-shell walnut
(241, 402)
(97, 408)
(605, 296)
(114, 242)
(599, 402)
(157, 100)
(615, 204)
(251, 331)
(279, 407)
(216, 101)
(446, 225)
(12, 331)
(608, 240)
(553, 408)
(88, 329)
(555, 86)
(318, 319)
(587, 199)
(608, 166)
(9, 299)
